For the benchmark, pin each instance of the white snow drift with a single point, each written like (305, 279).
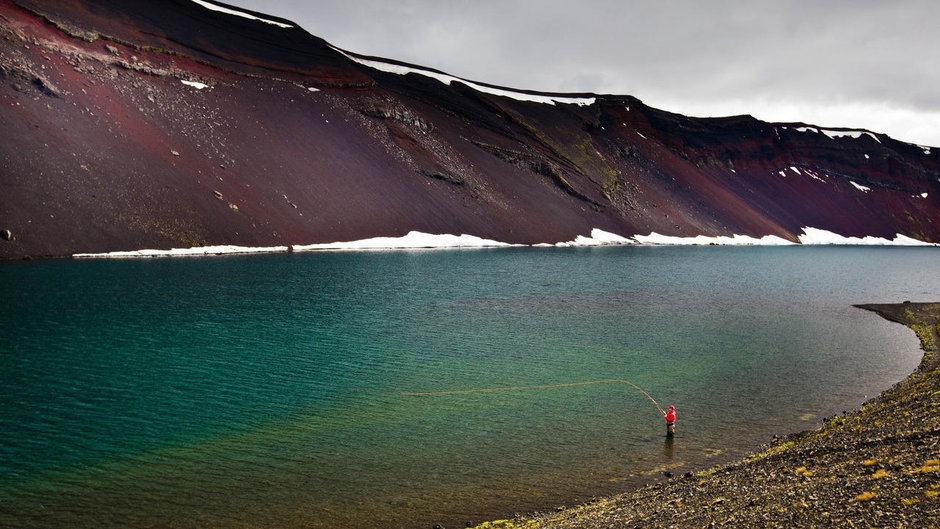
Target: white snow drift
(418, 240)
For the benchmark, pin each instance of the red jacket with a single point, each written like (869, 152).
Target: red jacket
(671, 416)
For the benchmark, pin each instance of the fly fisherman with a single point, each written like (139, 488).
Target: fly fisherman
(670, 421)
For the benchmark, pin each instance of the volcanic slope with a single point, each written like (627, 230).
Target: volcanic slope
(131, 125)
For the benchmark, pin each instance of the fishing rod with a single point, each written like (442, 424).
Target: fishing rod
(543, 386)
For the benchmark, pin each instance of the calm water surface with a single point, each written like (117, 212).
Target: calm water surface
(265, 391)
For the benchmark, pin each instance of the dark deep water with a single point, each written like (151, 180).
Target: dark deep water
(264, 391)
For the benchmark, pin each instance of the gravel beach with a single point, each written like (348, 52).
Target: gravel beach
(877, 466)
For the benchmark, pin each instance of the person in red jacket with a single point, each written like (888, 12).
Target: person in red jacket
(670, 421)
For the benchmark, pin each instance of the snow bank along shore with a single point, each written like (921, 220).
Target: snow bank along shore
(417, 240)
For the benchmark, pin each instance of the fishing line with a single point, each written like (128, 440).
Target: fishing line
(544, 386)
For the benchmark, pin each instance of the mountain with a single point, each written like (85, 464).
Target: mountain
(179, 123)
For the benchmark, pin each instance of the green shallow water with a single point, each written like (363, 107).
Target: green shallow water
(264, 391)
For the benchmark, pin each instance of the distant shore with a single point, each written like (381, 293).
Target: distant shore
(878, 466)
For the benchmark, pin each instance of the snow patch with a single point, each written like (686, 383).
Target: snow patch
(242, 14)
(418, 240)
(448, 79)
(834, 133)
(702, 240)
(598, 238)
(813, 175)
(815, 236)
(195, 84)
(795, 170)
(187, 252)
(414, 240)
(923, 195)
(860, 187)
(855, 134)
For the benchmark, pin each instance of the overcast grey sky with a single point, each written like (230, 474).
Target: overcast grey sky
(851, 63)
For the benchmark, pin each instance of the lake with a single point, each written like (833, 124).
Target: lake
(266, 391)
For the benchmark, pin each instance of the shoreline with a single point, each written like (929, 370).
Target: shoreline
(416, 240)
(876, 466)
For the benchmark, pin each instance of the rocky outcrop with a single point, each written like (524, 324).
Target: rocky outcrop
(124, 122)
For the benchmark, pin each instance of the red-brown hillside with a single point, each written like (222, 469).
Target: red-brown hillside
(292, 141)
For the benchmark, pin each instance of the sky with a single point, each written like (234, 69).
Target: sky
(836, 63)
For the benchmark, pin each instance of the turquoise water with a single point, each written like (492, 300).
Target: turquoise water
(264, 391)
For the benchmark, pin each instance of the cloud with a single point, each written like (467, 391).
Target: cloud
(815, 61)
